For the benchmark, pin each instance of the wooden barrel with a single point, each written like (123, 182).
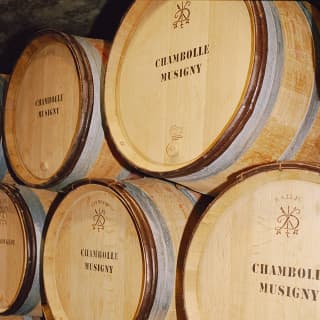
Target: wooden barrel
(52, 119)
(253, 254)
(197, 90)
(110, 250)
(22, 215)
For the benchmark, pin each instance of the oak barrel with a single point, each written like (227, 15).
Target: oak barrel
(253, 254)
(197, 90)
(22, 216)
(53, 133)
(110, 250)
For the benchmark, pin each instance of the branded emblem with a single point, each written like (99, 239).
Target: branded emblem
(182, 15)
(99, 219)
(288, 221)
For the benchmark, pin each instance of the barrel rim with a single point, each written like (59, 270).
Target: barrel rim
(195, 219)
(144, 232)
(31, 247)
(86, 109)
(238, 121)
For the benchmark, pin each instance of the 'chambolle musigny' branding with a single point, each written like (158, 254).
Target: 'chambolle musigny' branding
(283, 274)
(48, 106)
(97, 259)
(105, 258)
(181, 57)
(4, 224)
(291, 281)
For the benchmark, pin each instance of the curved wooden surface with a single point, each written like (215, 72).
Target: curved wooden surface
(120, 240)
(52, 121)
(253, 253)
(22, 218)
(168, 129)
(155, 119)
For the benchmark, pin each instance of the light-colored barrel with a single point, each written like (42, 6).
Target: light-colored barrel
(110, 250)
(22, 216)
(52, 118)
(253, 254)
(197, 90)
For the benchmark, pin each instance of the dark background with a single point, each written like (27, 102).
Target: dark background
(19, 19)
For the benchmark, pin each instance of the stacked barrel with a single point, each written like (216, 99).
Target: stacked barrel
(71, 209)
(173, 174)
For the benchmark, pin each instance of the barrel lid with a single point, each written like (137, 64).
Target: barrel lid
(253, 253)
(18, 251)
(182, 80)
(48, 108)
(99, 255)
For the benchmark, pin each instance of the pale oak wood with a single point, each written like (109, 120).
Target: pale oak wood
(262, 221)
(74, 289)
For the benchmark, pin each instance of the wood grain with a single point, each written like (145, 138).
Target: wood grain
(52, 117)
(254, 100)
(120, 240)
(22, 217)
(253, 254)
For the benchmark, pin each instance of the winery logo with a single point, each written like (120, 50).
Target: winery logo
(99, 219)
(182, 15)
(288, 221)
